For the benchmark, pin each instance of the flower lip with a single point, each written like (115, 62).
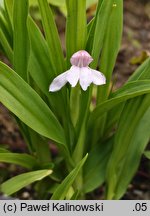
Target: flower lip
(81, 59)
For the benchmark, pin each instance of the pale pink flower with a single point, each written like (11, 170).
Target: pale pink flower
(79, 71)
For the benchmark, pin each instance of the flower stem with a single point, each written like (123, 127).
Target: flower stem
(80, 146)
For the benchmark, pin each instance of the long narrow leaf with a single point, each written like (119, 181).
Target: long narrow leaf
(41, 71)
(110, 50)
(141, 73)
(5, 29)
(63, 188)
(133, 156)
(26, 104)
(76, 26)
(97, 159)
(99, 28)
(21, 43)
(23, 160)
(92, 25)
(40, 67)
(55, 50)
(6, 46)
(9, 10)
(147, 154)
(123, 139)
(18, 182)
(107, 60)
(128, 91)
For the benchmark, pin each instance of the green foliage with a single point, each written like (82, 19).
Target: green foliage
(20, 38)
(135, 149)
(63, 188)
(18, 159)
(27, 105)
(76, 26)
(113, 135)
(52, 37)
(147, 154)
(18, 182)
(98, 158)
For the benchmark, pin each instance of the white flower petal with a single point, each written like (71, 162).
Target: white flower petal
(85, 77)
(97, 77)
(73, 75)
(58, 82)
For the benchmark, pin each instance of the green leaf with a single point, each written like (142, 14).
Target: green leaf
(5, 28)
(76, 26)
(110, 50)
(107, 60)
(52, 37)
(9, 10)
(129, 90)
(3, 150)
(39, 62)
(21, 42)
(62, 189)
(133, 156)
(131, 116)
(23, 160)
(147, 154)
(95, 166)
(39, 58)
(40, 70)
(18, 182)
(26, 104)
(6, 47)
(75, 195)
(141, 73)
(98, 29)
(2, 3)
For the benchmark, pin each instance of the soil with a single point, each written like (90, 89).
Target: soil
(135, 46)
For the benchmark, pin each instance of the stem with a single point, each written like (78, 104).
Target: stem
(81, 125)
(81, 129)
(79, 149)
(75, 110)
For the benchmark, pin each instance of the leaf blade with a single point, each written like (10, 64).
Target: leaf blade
(147, 154)
(52, 37)
(133, 156)
(63, 188)
(18, 182)
(23, 160)
(130, 90)
(27, 103)
(20, 35)
(76, 27)
(123, 140)
(95, 166)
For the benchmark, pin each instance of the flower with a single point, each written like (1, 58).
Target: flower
(79, 71)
